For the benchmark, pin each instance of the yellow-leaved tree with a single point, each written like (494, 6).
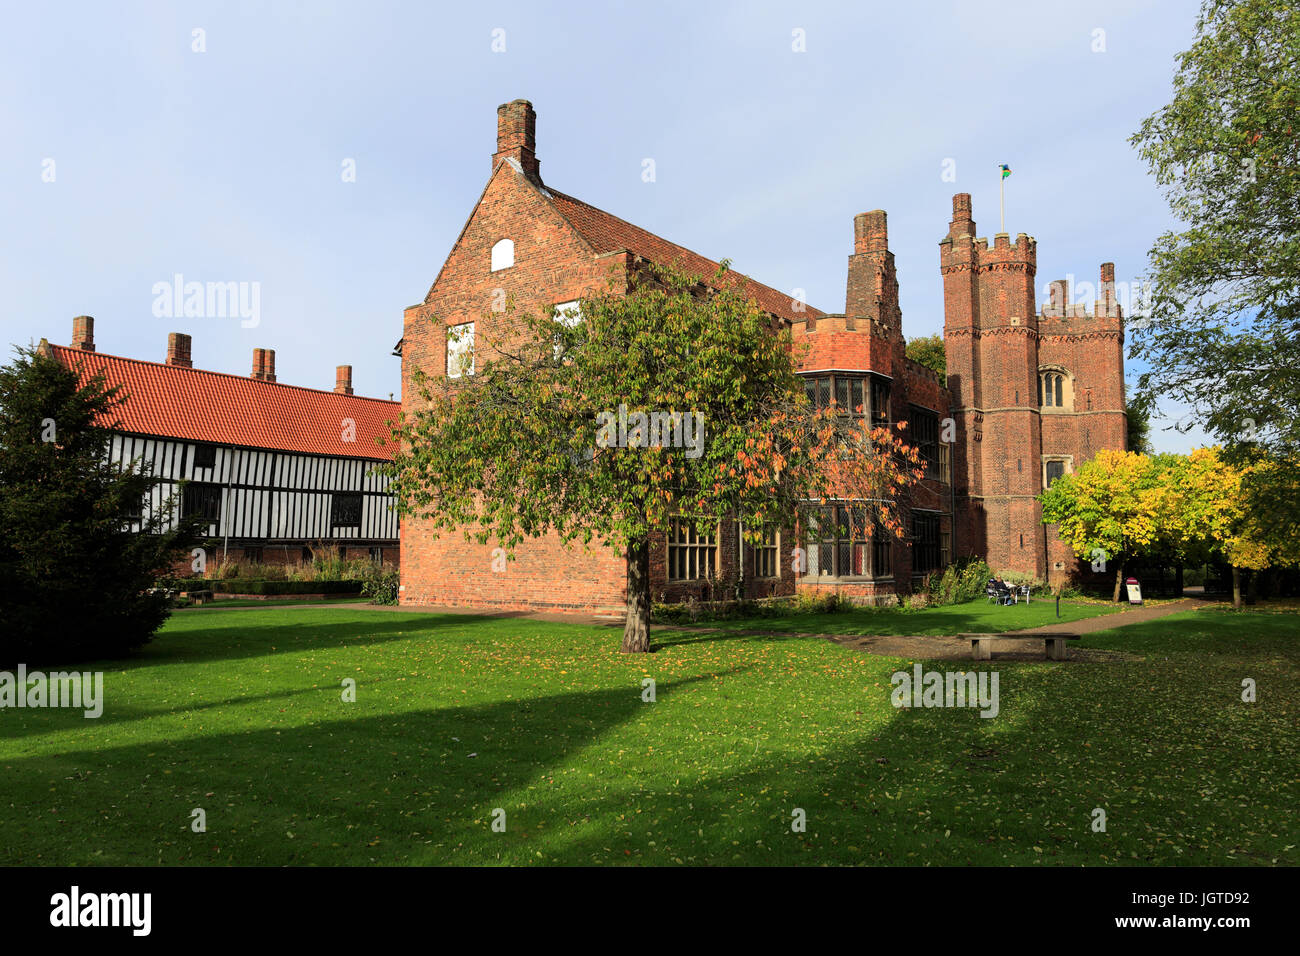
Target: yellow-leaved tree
(1108, 511)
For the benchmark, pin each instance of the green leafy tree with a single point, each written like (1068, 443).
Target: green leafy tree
(527, 444)
(1223, 334)
(1108, 510)
(74, 577)
(928, 351)
(1138, 414)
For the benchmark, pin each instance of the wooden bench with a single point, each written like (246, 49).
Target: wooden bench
(981, 645)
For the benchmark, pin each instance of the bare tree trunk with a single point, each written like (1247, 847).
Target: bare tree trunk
(1236, 587)
(1119, 582)
(1178, 582)
(636, 628)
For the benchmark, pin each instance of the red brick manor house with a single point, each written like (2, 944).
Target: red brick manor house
(1030, 395)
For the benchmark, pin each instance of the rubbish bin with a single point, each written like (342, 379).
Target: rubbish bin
(1134, 590)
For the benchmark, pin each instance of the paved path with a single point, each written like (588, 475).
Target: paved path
(1104, 622)
(926, 647)
(1030, 649)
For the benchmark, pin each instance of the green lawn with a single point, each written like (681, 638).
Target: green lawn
(239, 712)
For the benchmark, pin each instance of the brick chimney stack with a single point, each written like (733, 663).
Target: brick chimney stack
(83, 333)
(873, 281)
(1106, 303)
(1058, 298)
(517, 137)
(962, 224)
(343, 379)
(264, 365)
(178, 350)
(871, 232)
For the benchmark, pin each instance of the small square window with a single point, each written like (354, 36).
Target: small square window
(133, 508)
(345, 511)
(205, 456)
(202, 499)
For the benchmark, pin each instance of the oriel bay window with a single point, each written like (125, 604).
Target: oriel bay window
(839, 545)
(879, 403)
(855, 393)
(692, 553)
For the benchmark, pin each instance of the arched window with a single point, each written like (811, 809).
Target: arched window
(1054, 389)
(503, 254)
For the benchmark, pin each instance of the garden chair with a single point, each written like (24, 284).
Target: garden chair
(999, 592)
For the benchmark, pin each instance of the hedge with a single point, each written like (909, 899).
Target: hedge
(237, 586)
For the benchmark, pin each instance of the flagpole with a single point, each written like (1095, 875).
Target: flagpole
(1002, 199)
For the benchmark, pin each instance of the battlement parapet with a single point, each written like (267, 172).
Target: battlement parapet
(1058, 310)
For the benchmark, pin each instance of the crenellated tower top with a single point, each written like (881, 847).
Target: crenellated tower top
(1062, 316)
(986, 287)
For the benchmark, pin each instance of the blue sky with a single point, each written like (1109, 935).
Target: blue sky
(226, 165)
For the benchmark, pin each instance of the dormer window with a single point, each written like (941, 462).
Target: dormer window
(503, 255)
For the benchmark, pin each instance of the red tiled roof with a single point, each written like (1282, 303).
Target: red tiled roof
(190, 403)
(607, 233)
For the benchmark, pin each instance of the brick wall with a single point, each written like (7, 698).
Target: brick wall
(552, 264)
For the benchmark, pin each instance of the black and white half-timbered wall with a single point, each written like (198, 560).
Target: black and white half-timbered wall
(281, 472)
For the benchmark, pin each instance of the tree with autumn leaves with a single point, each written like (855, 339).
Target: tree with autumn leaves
(522, 447)
(1120, 506)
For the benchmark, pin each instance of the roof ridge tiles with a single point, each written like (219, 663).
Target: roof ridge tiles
(234, 375)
